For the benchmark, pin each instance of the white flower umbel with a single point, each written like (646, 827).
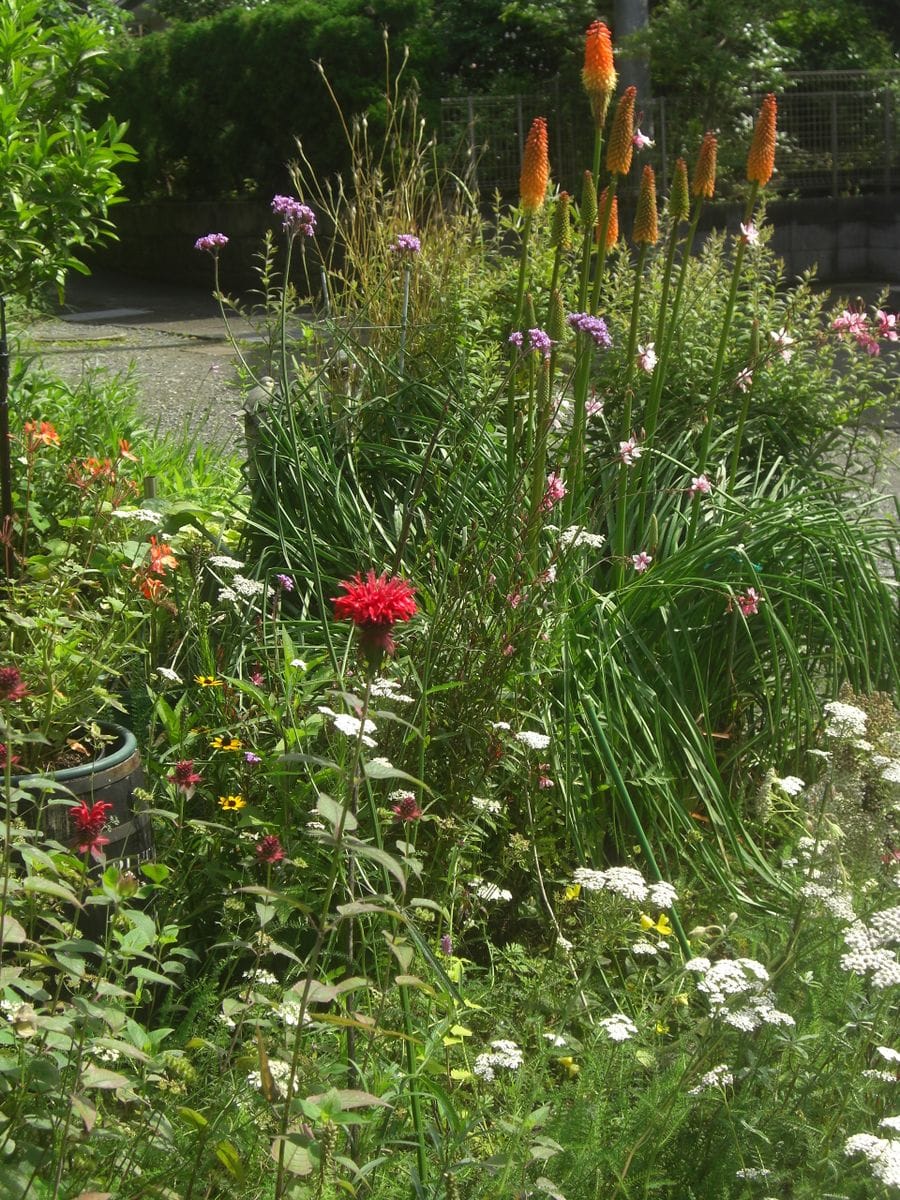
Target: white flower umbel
(791, 784)
(752, 1173)
(504, 1055)
(662, 894)
(224, 563)
(888, 1054)
(533, 740)
(844, 720)
(146, 515)
(882, 1154)
(575, 536)
(168, 674)
(736, 993)
(488, 891)
(618, 1028)
(280, 1073)
(492, 808)
(719, 1077)
(644, 949)
(350, 726)
(247, 588)
(389, 689)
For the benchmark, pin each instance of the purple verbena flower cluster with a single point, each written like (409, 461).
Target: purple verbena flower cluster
(296, 217)
(405, 243)
(538, 340)
(594, 327)
(211, 242)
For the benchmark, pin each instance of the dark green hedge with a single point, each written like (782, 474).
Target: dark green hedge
(220, 101)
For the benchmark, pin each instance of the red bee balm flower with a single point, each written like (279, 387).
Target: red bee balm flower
(11, 685)
(269, 849)
(374, 605)
(88, 823)
(185, 777)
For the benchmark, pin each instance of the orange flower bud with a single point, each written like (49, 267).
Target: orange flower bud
(704, 182)
(761, 159)
(535, 167)
(612, 228)
(679, 201)
(621, 146)
(646, 229)
(598, 74)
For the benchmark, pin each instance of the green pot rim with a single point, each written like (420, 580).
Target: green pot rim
(128, 747)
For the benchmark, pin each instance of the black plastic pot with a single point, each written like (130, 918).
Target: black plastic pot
(113, 777)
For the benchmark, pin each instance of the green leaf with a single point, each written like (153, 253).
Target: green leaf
(364, 850)
(11, 931)
(295, 1154)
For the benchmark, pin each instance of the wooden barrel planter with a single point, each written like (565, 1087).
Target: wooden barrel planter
(112, 777)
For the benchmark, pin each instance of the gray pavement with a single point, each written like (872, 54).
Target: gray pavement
(171, 341)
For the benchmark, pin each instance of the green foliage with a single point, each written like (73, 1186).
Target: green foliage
(58, 168)
(221, 101)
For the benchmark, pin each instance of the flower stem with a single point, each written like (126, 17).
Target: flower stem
(720, 362)
(511, 395)
(404, 317)
(745, 408)
(625, 430)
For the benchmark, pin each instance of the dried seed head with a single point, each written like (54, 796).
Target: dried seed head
(598, 74)
(679, 201)
(612, 225)
(704, 182)
(560, 227)
(535, 167)
(761, 159)
(646, 228)
(621, 146)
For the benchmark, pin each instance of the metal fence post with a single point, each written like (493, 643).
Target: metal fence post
(663, 143)
(834, 146)
(889, 149)
(473, 157)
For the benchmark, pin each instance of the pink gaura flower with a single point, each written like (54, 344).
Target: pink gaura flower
(782, 341)
(640, 141)
(641, 561)
(749, 234)
(646, 357)
(555, 492)
(887, 325)
(749, 602)
(745, 379)
(629, 452)
(700, 486)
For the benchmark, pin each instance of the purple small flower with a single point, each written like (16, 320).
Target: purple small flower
(296, 217)
(211, 242)
(594, 327)
(251, 758)
(285, 582)
(538, 341)
(446, 944)
(405, 243)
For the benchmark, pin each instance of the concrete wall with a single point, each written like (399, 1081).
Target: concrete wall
(850, 239)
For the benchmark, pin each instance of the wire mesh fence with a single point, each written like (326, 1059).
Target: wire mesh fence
(838, 135)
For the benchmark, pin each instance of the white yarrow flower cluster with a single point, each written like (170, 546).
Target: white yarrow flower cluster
(147, 515)
(618, 1028)
(718, 1077)
(281, 1076)
(168, 674)
(844, 720)
(488, 891)
(350, 726)
(224, 562)
(504, 1055)
(575, 536)
(533, 740)
(791, 784)
(628, 883)
(389, 689)
(882, 1154)
(752, 1173)
(735, 989)
(868, 948)
(492, 808)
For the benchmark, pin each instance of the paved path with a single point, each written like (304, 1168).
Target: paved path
(171, 341)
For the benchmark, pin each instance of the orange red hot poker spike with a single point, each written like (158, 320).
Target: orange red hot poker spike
(598, 74)
(621, 144)
(761, 159)
(535, 167)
